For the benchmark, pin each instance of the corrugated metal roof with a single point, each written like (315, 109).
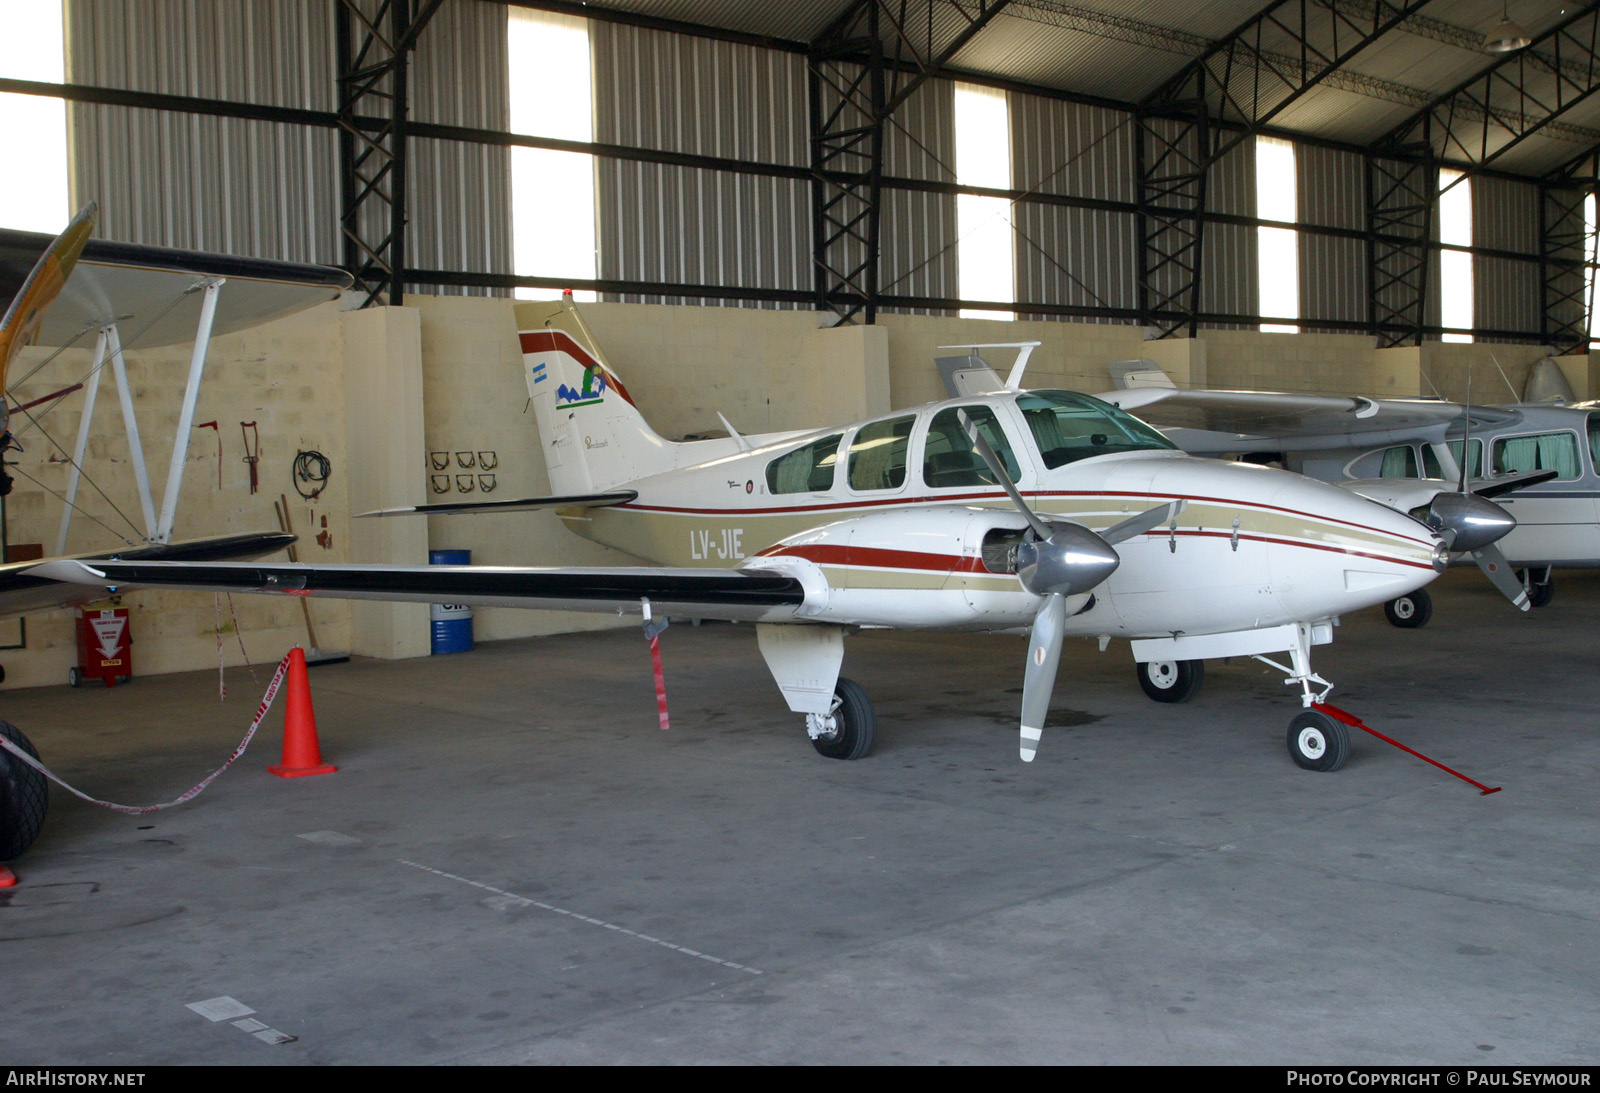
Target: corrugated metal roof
(1123, 50)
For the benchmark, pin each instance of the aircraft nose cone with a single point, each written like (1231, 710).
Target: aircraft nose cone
(1072, 561)
(1466, 521)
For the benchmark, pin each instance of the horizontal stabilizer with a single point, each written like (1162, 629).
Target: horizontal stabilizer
(527, 504)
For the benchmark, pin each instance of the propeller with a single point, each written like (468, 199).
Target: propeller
(1061, 559)
(1468, 521)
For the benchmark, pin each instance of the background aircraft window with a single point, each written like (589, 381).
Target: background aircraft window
(949, 459)
(1399, 462)
(1068, 426)
(1548, 451)
(1474, 460)
(878, 454)
(805, 470)
(1594, 440)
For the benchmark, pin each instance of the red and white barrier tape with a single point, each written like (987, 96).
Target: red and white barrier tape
(187, 795)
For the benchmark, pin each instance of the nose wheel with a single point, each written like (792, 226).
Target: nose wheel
(1318, 742)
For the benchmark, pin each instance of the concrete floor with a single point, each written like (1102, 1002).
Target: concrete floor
(514, 865)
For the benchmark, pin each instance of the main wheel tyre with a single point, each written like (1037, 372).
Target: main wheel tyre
(1541, 587)
(1318, 742)
(24, 796)
(852, 723)
(1411, 611)
(1171, 680)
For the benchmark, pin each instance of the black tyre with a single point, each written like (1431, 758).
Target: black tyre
(1541, 586)
(1318, 742)
(1411, 611)
(854, 723)
(74, 677)
(24, 796)
(1171, 680)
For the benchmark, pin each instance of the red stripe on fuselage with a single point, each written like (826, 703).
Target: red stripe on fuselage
(908, 502)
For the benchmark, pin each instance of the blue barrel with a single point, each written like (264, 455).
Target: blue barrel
(451, 622)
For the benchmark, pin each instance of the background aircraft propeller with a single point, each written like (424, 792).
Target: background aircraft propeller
(1061, 559)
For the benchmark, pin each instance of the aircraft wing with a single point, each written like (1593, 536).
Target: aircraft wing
(137, 286)
(755, 595)
(23, 589)
(1214, 422)
(526, 504)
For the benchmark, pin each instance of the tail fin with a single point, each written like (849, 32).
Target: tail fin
(593, 435)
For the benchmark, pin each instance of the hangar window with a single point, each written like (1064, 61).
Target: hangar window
(552, 193)
(806, 470)
(35, 199)
(1548, 451)
(983, 224)
(1277, 249)
(878, 454)
(1455, 266)
(948, 458)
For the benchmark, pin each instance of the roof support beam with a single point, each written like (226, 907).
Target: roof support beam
(861, 69)
(375, 39)
(1566, 248)
(1221, 98)
(1476, 123)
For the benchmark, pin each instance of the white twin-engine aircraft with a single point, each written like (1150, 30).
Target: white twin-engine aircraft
(912, 520)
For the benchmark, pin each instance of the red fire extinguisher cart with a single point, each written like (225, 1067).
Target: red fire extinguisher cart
(105, 647)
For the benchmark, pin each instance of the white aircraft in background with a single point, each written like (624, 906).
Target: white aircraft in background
(911, 520)
(73, 288)
(1538, 461)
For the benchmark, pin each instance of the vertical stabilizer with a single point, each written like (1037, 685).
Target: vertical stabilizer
(592, 433)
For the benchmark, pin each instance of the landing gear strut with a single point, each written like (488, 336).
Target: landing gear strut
(1541, 585)
(847, 729)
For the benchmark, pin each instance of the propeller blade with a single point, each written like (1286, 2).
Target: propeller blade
(1493, 562)
(1044, 655)
(996, 468)
(1138, 525)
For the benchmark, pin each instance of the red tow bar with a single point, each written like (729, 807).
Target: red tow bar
(1355, 722)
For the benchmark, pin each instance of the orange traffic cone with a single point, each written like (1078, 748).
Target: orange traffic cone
(301, 755)
(8, 879)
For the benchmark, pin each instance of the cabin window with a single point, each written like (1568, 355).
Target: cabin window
(1594, 439)
(1547, 451)
(1068, 426)
(950, 460)
(1474, 461)
(878, 454)
(1399, 462)
(806, 470)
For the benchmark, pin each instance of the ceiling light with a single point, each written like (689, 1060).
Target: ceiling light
(1505, 37)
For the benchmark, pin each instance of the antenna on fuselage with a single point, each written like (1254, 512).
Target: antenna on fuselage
(1024, 351)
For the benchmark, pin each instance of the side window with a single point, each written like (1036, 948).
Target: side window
(949, 459)
(806, 470)
(878, 454)
(1474, 458)
(1548, 451)
(1594, 439)
(1399, 462)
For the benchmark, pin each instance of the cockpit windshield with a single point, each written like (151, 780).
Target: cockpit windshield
(1068, 427)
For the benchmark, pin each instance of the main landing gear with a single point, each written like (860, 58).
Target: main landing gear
(1541, 585)
(1411, 611)
(847, 729)
(1171, 680)
(24, 796)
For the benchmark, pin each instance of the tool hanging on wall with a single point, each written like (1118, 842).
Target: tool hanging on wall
(212, 425)
(311, 468)
(440, 483)
(252, 451)
(487, 483)
(488, 461)
(440, 460)
(464, 483)
(466, 459)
